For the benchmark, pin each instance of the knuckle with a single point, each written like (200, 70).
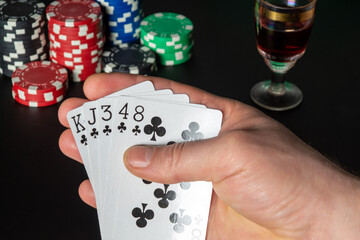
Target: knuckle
(232, 157)
(171, 161)
(232, 140)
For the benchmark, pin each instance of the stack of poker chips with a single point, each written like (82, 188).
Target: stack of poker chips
(122, 18)
(169, 35)
(129, 58)
(22, 31)
(39, 83)
(76, 36)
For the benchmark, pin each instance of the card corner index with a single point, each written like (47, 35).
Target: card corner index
(74, 121)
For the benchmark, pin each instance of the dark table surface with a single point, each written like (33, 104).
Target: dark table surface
(39, 184)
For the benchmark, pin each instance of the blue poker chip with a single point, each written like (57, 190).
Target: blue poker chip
(122, 19)
(119, 9)
(120, 2)
(124, 31)
(123, 39)
(126, 17)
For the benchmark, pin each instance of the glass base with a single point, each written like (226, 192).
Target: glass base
(289, 98)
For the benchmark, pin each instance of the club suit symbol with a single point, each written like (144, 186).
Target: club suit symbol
(165, 196)
(121, 127)
(192, 134)
(94, 133)
(180, 221)
(155, 129)
(107, 130)
(83, 140)
(142, 215)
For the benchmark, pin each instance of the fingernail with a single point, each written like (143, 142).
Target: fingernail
(138, 156)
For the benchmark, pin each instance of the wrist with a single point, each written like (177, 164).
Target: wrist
(346, 217)
(340, 218)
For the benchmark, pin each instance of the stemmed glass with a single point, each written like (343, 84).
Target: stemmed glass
(283, 29)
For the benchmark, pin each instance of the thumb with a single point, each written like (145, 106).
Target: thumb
(203, 160)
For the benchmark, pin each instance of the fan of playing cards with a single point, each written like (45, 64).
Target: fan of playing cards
(133, 208)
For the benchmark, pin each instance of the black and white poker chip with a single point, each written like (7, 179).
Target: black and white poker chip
(19, 13)
(22, 34)
(129, 58)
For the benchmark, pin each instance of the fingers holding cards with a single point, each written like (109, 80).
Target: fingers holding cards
(182, 161)
(66, 106)
(86, 193)
(68, 146)
(101, 84)
(128, 206)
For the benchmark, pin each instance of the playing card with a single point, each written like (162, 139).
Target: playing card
(154, 122)
(119, 127)
(78, 123)
(129, 207)
(98, 115)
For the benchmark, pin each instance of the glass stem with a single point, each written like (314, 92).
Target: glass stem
(277, 86)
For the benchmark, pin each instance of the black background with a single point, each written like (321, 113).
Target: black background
(39, 184)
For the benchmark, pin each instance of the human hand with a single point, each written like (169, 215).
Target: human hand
(268, 184)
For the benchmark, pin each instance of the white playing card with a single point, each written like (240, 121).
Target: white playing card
(89, 109)
(76, 122)
(77, 125)
(158, 92)
(98, 115)
(148, 121)
(129, 207)
(118, 127)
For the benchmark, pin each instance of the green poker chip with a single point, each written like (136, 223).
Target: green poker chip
(169, 35)
(166, 26)
(175, 58)
(172, 62)
(166, 49)
(165, 44)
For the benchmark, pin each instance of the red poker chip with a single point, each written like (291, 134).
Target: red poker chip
(82, 48)
(75, 42)
(76, 52)
(68, 55)
(37, 103)
(86, 72)
(71, 64)
(39, 77)
(76, 36)
(68, 46)
(65, 39)
(40, 97)
(75, 58)
(80, 77)
(65, 52)
(94, 69)
(72, 13)
(82, 68)
(82, 27)
(83, 71)
(76, 31)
